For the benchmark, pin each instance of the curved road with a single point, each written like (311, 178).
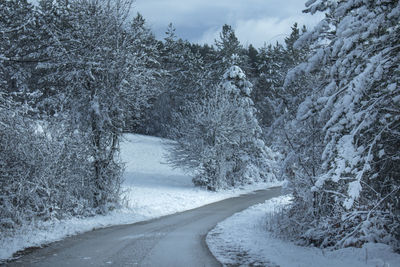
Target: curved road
(175, 240)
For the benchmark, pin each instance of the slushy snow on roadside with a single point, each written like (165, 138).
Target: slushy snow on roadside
(243, 240)
(152, 189)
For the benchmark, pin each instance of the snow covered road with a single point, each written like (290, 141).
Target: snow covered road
(174, 240)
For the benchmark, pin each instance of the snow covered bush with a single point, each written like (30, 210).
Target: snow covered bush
(221, 138)
(44, 170)
(354, 197)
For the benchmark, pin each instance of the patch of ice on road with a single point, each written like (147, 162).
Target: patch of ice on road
(152, 189)
(242, 240)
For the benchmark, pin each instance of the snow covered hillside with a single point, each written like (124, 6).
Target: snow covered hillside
(155, 189)
(243, 239)
(151, 189)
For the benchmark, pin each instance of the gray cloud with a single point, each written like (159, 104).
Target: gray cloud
(255, 21)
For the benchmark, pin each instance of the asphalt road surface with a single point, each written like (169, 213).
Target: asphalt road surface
(171, 241)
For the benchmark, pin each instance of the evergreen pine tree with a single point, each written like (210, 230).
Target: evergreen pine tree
(353, 102)
(181, 81)
(250, 158)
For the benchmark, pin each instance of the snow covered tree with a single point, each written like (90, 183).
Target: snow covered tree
(228, 45)
(273, 100)
(229, 51)
(252, 54)
(251, 158)
(19, 50)
(148, 78)
(356, 98)
(268, 83)
(182, 76)
(42, 165)
(100, 74)
(221, 138)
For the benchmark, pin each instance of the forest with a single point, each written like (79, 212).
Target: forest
(320, 110)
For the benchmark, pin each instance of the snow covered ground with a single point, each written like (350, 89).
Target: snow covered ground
(152, 189)
(242, 239)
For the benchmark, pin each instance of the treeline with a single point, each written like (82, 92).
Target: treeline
(320, 110)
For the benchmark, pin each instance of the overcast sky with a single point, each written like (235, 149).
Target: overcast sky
(255, 21)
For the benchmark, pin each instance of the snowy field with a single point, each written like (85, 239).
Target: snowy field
(152, 189)
(242, 239)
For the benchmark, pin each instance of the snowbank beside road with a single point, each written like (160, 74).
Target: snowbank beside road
(242, 240)
(152, 189)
